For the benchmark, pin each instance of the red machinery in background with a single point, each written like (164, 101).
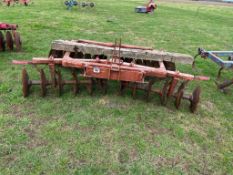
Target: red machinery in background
(12, 37)
(148, 8)
(10, 2)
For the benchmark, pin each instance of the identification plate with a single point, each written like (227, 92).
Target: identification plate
(96, 70)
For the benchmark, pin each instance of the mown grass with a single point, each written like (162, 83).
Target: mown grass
(109, 134)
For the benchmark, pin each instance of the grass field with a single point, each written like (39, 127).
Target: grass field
(110, 134)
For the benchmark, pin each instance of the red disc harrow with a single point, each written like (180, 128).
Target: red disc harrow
(98, 71)
(9, 37)
(12, 2)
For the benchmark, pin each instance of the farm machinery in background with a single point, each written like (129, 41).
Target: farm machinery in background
(12, 2)
(218, 58)
(150, 7)
(12, 37)
(93, 64)
(71, 3)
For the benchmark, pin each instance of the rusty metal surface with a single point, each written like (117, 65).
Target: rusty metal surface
(195, 99)
(9, 41)
(17, 41)
(25, 83)
(11, 37)
(43, 83)
(2, 42)
(99, 71)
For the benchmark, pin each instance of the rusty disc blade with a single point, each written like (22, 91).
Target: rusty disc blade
(163, 97)
(18, 42)
(75, 86)
(2, 42)
(43, 83)
(9, 40)
(59, 83)
(179, 94)
(103, 84)
(195, 99)
(134, 90)
(25, 83)
(90, 86)
(178, 98)
(148, 91)
(122, 87)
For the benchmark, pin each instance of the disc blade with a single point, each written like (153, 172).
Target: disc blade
(90, 86)
(179, 94)
(59, 83)
(122, 87)
(76, 85)
(2, 42)
(163, 97)
(103, 84)
(25, 83)
(178, 98)
(18, 42)
(195, 99)
(9, 40)
(43, 83)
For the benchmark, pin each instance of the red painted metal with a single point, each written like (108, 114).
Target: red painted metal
(11, 35)
(10, 2)
(5, 26)
(130, 75)
(151, 6)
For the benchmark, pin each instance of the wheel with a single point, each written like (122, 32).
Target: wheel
(9, 40)
(25, 83)
(43, 83)
(92, 4)
(2, 42)
(195, 99)
(18, 42)
(66, 3)
(83, 4)
(75, 3)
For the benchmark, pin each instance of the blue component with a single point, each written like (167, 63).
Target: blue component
(69, 4)
(140, 9)
(215, 57)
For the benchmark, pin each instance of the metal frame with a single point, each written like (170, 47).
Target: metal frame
(130, 75)
(215, 56)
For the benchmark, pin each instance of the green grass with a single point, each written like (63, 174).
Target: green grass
(109, 134)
